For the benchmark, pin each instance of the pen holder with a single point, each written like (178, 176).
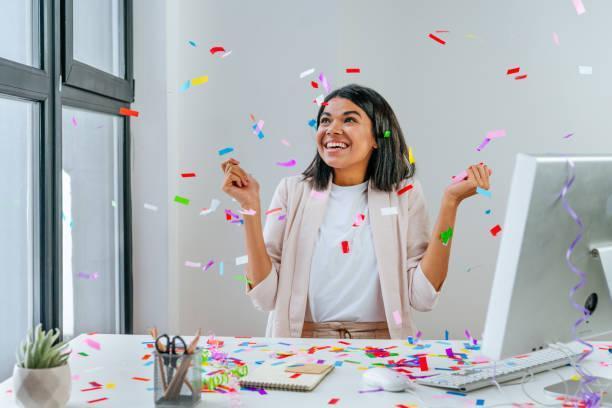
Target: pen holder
(177, 379)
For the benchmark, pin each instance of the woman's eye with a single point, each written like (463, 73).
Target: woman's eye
(324, 120)
(351, 119)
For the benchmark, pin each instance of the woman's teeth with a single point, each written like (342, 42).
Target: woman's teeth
(336, 145)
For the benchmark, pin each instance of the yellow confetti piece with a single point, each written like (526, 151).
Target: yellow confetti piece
(575, 377)
(410, 156)
(111, 386)
(199, 80)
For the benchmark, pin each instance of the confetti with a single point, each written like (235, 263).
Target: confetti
(192, 43)
(92, 276)
(257, 129)
(488, 212)
(97, 400)
(389, 211)
(199, 80)
(289, 163)
(495, 134)
(579, 7)
(247, 212)
(214, 204)
(226, 151)
(397, 316)
(446, 335)
(314, 84)
(445, 236)
(243, 278)
(460, 177)
(217, 49)
(74, 121)
(495, 230)
(518, 78)
(568, 135)
(345, 247)
(353, 70)
(319, 100)
(513, 70)
(324, 82)
(410, 156)
(436, 38)
(387, 134)
(181, 200)
(359, 218)
(585, 70)
(190, 264)
(273, 210)
(555, 38)
(403, 190)
(186, 85)
(483, 192)
(484, 143)
(423, 363)
(312, 123)
(333, 401)
(285, 142)
(241, 260)
(307, 72)
(221, 267)
(92, 343)
(144, 379)
(128, 112)
(188, 175)
(208, 265)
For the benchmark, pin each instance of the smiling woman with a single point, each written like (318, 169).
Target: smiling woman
(354, 254)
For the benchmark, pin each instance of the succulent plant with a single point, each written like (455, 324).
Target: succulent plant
(40, 350)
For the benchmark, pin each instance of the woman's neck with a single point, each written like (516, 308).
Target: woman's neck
(343, 177)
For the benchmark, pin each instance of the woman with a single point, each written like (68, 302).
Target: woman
(354, 254)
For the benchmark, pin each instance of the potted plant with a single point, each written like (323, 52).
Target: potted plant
(41, 377)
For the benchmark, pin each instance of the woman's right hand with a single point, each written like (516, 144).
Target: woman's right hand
(240, 185)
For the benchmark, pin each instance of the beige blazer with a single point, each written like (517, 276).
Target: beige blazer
(399, 244)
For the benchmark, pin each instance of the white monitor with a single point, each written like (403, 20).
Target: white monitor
(530, 306)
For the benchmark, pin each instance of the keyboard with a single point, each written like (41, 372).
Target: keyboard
(475, 377)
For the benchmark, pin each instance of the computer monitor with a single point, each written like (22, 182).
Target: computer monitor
(529, 306)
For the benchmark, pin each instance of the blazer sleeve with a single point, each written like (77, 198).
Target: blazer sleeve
(263, 295)
(421, 293)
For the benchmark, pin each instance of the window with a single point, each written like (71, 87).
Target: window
(64, 168)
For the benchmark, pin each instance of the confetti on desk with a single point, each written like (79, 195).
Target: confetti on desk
(92, 343)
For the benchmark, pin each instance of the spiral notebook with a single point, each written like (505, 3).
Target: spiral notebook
(299, 377)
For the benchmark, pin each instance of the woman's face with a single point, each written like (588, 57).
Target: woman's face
(344, 136)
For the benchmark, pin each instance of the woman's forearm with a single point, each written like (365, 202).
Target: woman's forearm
(259, 264)
(435, 261)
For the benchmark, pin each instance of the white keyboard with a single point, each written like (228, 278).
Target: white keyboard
(475, 377)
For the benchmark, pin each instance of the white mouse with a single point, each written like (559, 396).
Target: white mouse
(385, 378)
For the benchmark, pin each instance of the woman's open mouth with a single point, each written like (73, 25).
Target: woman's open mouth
(331, 147)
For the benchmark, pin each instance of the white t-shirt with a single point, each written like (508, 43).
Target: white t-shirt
(345, 286)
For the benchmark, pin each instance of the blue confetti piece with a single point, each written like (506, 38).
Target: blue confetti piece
(480, 403)
(192, 43)
(312, 123)
(226, 151)
(488, 212)
(459, 394)
(284, 344)
(278, 363)
(259, 362)
(186, 85)
(483, 192)
(338, 363)
(148, 363)
(221, 268)
(446, 335)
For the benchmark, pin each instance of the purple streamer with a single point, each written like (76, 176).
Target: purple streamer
(591, 399)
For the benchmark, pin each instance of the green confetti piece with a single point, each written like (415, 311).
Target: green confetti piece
(243, 279)
(445, 236)
(84, 354)
(181, 200)
(387, 133)
(352, 361)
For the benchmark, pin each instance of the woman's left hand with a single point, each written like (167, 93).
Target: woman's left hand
(477, 176)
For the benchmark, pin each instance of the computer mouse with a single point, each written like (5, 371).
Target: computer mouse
(385, 378)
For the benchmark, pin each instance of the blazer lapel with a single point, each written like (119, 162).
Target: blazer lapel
(386, 247)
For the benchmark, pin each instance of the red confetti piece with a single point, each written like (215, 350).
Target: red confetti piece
(521, 77)
(95, 384)
(403, 190)
(513, 70)
(423, 363)
(314, 84)
(97, 400)
(146, 357)
(91, 389)
(214, 50)
(436, 38)
(228, 217)
(333, 401)
(296, 375)
(345, 247)
(353, 70)
(141, 379)
(185, 175)
(495, 230)
(324, 103)
(128, 112)
(273, 210)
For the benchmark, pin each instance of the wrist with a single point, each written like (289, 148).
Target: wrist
(450, 201)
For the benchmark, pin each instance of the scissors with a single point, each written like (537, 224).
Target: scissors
(167, 347)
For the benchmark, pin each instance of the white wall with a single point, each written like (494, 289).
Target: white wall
(446, 98)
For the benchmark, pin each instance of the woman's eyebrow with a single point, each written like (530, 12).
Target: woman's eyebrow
(345, 113)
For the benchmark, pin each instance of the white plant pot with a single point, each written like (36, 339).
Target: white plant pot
(42, 388)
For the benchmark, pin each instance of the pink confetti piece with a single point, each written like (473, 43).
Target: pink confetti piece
(555, 38)
(285, 142)
(459, 177)
(397, 317)
(324, 82)
(568, 135)
(494, 134)
(247, 212)
(92, 343)
(88, 276)
(208, 265)
(74, 121)
(289, 163)
(579, 7)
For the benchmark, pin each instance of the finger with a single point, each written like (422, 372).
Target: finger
(238, 171)
(232, 179)
(483, 176)
(231, 160)
(475, 175)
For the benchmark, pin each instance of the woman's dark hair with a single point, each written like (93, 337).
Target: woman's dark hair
(389, 163)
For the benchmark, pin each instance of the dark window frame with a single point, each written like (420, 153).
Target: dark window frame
(52, 90)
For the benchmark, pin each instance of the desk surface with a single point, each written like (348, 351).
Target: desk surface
(121, 358)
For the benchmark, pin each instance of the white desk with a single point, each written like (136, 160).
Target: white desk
(120, 359)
